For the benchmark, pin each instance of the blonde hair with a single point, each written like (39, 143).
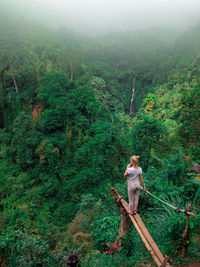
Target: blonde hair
(134, 160)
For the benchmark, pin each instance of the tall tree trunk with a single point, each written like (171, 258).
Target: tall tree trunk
(15, 84)
(3, 96)
(71, 72)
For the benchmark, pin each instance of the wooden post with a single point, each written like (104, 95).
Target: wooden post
(185, 232)
(125, 221)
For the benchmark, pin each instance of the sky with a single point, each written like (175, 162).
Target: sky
(100, 16)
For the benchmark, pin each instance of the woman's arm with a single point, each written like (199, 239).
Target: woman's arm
(142, 182)
(128, 166)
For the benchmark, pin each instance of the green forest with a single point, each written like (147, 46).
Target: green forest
(66, 137)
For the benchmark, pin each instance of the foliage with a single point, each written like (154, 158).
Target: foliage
(24, 142)
(66, 137)
(146, 136)
(104, 230)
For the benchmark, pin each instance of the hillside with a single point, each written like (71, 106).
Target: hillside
(66, 137)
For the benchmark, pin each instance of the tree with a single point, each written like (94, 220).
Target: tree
(146, 135)
(189, 129)
(25, 141)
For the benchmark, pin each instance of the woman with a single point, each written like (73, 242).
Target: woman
(133, 171)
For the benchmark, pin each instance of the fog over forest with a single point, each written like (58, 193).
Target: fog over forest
(84, 85)
(95, 17)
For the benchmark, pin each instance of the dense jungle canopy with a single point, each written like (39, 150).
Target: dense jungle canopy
(66, 137)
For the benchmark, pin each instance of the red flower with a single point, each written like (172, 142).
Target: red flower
(116, 245)
(109, 252)
(114, 248)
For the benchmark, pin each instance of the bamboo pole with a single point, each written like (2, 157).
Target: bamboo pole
(169, 205)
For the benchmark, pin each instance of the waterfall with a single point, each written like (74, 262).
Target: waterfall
(132, 104)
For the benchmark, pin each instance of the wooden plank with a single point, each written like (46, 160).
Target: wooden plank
(150, 239)
(145, 241)
(143, 232)
(146, 237)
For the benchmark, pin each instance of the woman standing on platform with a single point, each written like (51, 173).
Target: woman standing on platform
(133, 172)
